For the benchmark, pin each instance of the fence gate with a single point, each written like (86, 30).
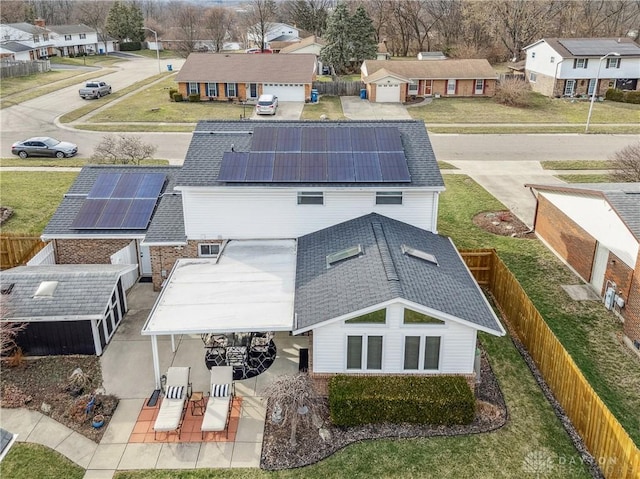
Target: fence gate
(46, 255)
(127, 255)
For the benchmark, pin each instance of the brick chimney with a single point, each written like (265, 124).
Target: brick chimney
(39, 22)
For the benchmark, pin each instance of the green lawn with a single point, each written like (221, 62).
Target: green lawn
(543, 110)
(486, 129)
(89, 60)
(587, 178)
(34, 196)
(328, 105)
(28, 461)
(576, 165)
(588, 331)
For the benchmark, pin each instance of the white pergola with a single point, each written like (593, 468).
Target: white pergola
(249, 287)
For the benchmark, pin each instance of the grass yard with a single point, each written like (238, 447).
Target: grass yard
(34, 196)
(576, 165)
(587, 178)
(138, 127)
(26, 461)
(543, 110)
(164, 54)
(329, 105)
(591, 334)
(89, 60)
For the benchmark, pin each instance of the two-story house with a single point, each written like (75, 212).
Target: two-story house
(79, 39)
(569, 67)
(35, 37)
(274, 32)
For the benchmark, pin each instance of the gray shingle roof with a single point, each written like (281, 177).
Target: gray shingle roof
(591, 47)
(71, 29)
(434, 69)
(16, 47)
(383, 273)
(60, 223)
(212, 138)
(29, 28)
(82, 290)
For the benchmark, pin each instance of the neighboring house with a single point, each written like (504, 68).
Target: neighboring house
(402, 300)
(431, 56)
(558, 67)
(69, 309)
(78, 40)
(398, 81)
(35, 37)
(595, 229)
(239, 77)
(279, 32)
(382, 52)
(17, 51)
(311, 44)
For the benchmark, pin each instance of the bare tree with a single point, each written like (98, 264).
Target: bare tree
(626, 164)
(187, 19)
(94, 15)
(258, 20)
(217, 24)
(8, 331)
(122, 150)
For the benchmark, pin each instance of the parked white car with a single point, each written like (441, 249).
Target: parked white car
(267, 105)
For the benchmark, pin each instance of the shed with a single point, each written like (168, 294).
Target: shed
(69, 309)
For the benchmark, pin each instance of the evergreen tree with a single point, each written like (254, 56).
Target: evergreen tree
(362, 33)
(338, 51)
(125, 22)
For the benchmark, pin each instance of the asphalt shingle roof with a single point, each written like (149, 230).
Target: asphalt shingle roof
(384, 273)
(71, 29)
(16, 47)
(434, 69)
(29, 28)
(82, 290)
(212, 138)
(60, 223)
(595, 47)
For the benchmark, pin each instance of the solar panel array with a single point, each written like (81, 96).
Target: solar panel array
(319, 155)
(599, 47)
(120, 201)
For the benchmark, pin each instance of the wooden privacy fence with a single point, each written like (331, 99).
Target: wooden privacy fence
(613, 449)
(18, 249)
(13, 68)
(338, 88)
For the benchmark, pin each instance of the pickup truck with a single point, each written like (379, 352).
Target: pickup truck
(95, 89)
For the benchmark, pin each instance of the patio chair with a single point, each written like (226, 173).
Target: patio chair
(218, 409)
(173, 405)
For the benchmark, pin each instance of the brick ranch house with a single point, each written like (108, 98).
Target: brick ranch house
(595, 229)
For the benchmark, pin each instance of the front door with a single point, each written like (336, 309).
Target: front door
(599, 268)
(428, 87)
(592, 87)
(253, 91)
(145, 261)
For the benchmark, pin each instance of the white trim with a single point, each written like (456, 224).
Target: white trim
(96, 337)
(35, 319)
(363, 355)
(422, 349)
(162, 243)
(46, 238)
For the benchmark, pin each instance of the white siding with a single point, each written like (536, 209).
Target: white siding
(597, 218)
(243, 213)
(457, 348)
(542, 61)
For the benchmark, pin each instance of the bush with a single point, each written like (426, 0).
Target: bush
(614, 94)
(513, 92)
(172, 92)
(194, 97)
(437, 400)
(130, 46)
(177, 97)
(632, 97)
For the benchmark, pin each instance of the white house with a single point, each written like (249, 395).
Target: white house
(79, 39)
(275, 32)
(17, 51)
(35, 37)
(569, 67)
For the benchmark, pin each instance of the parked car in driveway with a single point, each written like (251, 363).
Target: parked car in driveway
(267, 105)
(44, 146)
(95, 89)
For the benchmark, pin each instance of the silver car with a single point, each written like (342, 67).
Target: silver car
(44, 146)
(267, 105)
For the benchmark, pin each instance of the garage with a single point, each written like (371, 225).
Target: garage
(285, 91)
(387, 92)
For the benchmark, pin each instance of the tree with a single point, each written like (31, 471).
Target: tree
(337, 52)
(626, 164)
(125, 22)
(259, 18)
(188, 21)
(122, 150)
(94, 15)
(309, 15)
(217, 23)
(362, 33)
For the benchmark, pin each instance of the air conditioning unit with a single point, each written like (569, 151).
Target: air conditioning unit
(619, 300)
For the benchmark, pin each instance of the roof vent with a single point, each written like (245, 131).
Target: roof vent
(344, 254)
(416, 253)
(46, 289)
(7, 288)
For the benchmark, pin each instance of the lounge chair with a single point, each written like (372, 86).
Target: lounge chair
(218, 409)
(173, 405)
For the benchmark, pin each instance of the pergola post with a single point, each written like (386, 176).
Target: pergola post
(156, 359)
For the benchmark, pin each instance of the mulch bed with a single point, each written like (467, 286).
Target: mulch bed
(503, 223)
(42, 385)
(277, 452)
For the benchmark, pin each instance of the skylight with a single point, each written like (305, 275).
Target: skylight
(341, 255)
(416, 253)
(46, 289)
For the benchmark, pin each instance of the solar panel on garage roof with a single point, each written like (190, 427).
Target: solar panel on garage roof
(151, 185)
(89, 213)
(138, 215)
(113, 213)
(286, 167)
(393, 167)
(260, 166)
(388, 139)
(598, 46)
(104, 185)
(313, 167)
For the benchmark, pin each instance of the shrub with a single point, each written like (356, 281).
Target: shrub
(626, 164)
(194, 97)
(172, 92)
(513, 92)
(130, 46)
(177, 97)
(632, 97)
(438, 400)
(614, 94)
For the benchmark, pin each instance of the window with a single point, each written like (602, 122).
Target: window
(67, 38)
(416, 253)
(212, 89)
(231, 89)
(552, 59)
(580, 63)
(451, 87)
(592, 86)
(193, 88)
(479, 90)
(388, 197)
(375, 317)
(310, 198)
(533, 55)
(365, 350)
(413, 88)
(613, 62)
(208, 250)
(532, 77)
(422, 353)
(413, 317)
(36, 39)
(45, 37)
(83, 36)
(344, 254)
(569, 88)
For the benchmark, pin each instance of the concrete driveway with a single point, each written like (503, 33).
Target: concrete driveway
(356, 109)
(287, 110)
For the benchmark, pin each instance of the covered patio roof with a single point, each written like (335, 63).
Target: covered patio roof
(250, 287)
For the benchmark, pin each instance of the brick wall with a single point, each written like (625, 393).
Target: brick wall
(164, 257)
(89, 251)
(566, 238)
(631, 310)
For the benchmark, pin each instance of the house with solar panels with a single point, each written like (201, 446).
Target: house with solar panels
(573, 67)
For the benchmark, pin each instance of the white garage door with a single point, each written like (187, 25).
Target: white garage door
(388, 93)
(285, 91)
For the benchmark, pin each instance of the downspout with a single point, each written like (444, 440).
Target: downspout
(535, 212)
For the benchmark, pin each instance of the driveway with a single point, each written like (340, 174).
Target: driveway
(356, 109)
(287, 110)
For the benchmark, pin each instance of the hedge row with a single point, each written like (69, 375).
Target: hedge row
(613, 94)
(438, 400)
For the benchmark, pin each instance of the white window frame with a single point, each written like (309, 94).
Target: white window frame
(36, 39)
(413, 88)
(67, 38)
(533, 77)
(229, 87)
(364, 366)
(215, 89)
(422, 352)
(479, 91)
(83, 36)
(389, 198)
(310, 198)
(451, 83)
(581, 62)
(591, 87)
(190, 88)
(572, 92)
(203, 247)
(613, 62)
